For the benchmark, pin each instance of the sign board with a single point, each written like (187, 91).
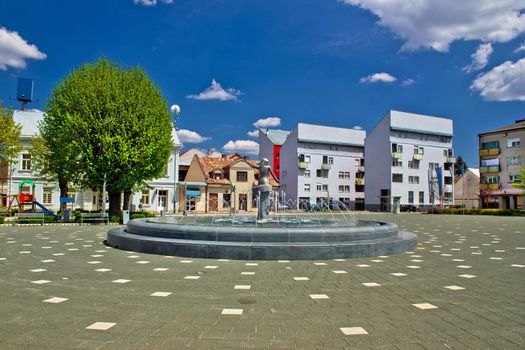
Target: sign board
(67, 200)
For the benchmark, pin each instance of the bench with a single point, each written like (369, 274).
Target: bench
(94, 217)
(28, 217)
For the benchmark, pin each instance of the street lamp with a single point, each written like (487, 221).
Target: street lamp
(175, 112)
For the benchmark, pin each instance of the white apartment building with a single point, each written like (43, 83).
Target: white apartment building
(322, 164)
(409, 160)
(162, 194)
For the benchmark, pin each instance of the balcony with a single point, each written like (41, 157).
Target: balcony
(418, 156)
(489, 187)
(396, 155)
(450, 159)
(303, 165)
(360, 169)
(486, 152)
(360, 182)
(489, 169)
(326, 166)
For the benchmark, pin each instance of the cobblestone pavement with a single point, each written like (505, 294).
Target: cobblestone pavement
(463, 287)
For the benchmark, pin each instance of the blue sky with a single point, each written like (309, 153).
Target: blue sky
(230, 63)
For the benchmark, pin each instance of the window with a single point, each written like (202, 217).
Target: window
(421, 197)
(347, 174)
(347, 188)
(493, 144)
(145, 198)
(319, 187)
(413, 164)
(397, 177)
(307, 187)
(513, 143)
(491, 179)
(341, 174)
(413, 179)
(448, 180)
(242, 176)
(397, 148)
(328, 160)
(226, 200)
(385, 192)
(47, 196)
(411, 197)
(341, 188)
(433, 166)
(514, 178)
(162, 198)
(333, 148)
(321, 173)
(218, 175)
(514, 160)
(325, 188)
(418, 150)
(304, 158)
(397, 162)
(26, 161)
(307, 173)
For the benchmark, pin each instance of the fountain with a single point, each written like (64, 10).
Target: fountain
(294, 236)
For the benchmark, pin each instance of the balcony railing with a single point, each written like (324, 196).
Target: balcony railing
(489, 169)
(396, 155)
(360, 182)
(303, 165)
(418, 156)
(489, 187)
(326, 166)
(484, 152)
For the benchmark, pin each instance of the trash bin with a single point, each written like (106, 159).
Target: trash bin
(125, 217)
(67, 215)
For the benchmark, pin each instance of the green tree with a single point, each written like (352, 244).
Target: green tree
(107, 123)
(460, 167)
(521, 184)
(10, 145)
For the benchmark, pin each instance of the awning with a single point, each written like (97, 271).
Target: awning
(193, 193)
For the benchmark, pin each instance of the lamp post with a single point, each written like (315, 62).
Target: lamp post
(175, 112)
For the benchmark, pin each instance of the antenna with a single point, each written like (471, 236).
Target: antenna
(24, 91)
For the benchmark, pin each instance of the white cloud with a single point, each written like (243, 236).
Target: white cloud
(407, 82)
(480, 58)
(189, 136)
(14, 50)
(151, 2)
(253, 133)
(268, 122)
(437, 23)
(378, 77)
(520, 48)
(242, 146)
(216, 92)
(505, 82)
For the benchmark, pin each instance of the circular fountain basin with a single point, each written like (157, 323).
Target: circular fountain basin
(244, 238)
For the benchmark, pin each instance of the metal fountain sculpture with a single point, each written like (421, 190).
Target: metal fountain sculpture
(263, 190)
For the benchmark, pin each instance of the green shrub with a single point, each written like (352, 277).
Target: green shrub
(114, 219)
(461, 211)
(2, 219)
(137, 216)
(49, 219)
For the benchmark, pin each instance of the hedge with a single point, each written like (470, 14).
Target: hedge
(461, 211)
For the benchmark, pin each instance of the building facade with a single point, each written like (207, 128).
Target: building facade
(270, 143)
(409, 160)
(323, 165)
(501, 155)
(220, 184)
(466, 190)
(162, 194)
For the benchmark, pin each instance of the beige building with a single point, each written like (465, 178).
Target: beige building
(501, 155)
(466, 190)
(215, 184)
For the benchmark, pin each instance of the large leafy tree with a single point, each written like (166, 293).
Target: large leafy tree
(10, 144)
(107, 123)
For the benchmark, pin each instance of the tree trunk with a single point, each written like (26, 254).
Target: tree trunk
(127, 197)
(64, 188)
(101, 206)
(114, 203)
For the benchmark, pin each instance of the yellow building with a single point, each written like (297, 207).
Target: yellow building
(216, 184)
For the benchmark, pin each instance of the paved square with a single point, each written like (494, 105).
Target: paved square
(122, 304)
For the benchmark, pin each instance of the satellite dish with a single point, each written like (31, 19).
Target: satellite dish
(175, 109)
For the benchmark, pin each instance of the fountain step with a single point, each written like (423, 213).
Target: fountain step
(260, 250)
(365, 231)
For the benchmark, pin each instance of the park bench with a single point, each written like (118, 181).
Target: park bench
(28, 218)
(94, 217)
